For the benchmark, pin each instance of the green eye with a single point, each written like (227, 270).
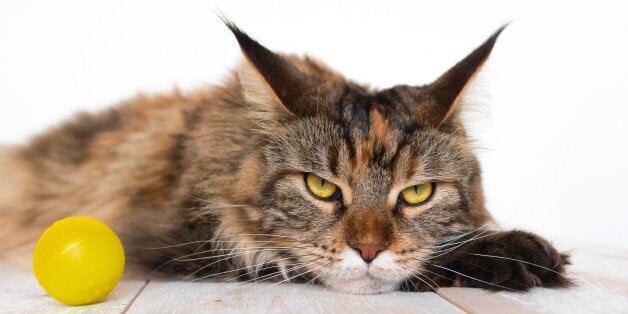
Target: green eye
(417, 194)
(319, 186)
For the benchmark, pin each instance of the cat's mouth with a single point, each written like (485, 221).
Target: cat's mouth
(355, 276)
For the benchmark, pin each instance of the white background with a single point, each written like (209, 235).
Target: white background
(548, 112)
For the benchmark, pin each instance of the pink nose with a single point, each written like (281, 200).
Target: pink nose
(368, 250)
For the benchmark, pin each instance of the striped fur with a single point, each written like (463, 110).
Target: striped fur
(211, 183)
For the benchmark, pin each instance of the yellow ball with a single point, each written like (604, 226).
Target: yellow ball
(78, 260)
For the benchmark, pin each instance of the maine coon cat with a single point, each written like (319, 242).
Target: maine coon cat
(286, 171)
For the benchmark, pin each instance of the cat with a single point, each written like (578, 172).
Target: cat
(285, 172)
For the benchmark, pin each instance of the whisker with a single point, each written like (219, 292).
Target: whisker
(313, 280)
(236, 255)
(180, 258)
(229, 255)
(304, 264)
(419, 274)
(255, 278)
(272, 275)
(425, 282)
(287, 280)
(443, 252)
(253, 241)
(517, 260)
(480, 280)
(450, 239)
(480, 235)
(254, 234)
(439, 275)
(296, 267)
(415, 286)
(249, 250)
(225, 205)
(235, 270)
(217, 240)
(176, 245)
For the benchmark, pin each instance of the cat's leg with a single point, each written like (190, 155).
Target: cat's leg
(503, 260)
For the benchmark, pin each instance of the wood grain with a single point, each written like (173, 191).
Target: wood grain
(601, 275)
(278, 298)
(20, 293)
(601, 279)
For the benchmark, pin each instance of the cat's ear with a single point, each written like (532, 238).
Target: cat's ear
(446, 92)
(269, 81)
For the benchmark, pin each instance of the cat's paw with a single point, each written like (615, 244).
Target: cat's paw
(510, 260)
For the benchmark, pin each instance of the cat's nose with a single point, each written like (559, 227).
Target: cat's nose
(369, 251)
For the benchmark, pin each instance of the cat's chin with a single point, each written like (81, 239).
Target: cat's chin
(363, 285)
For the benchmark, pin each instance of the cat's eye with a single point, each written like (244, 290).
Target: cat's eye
(417, 194)
(320, 187)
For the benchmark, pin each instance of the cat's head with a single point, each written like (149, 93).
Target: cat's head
(357, 185)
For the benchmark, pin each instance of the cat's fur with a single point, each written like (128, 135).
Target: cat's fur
(211, 183)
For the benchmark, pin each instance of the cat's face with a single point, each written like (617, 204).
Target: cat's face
(367, 162)
(360, 185)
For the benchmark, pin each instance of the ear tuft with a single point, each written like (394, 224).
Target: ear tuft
(264, 106)
(284, 79)
(447, 89)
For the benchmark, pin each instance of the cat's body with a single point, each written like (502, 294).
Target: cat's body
(212, 183)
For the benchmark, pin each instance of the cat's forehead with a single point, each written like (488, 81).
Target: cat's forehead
(376, 112)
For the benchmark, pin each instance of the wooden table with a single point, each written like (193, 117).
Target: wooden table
(601, 276)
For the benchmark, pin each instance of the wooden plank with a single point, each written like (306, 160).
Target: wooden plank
(174, 296)
(601, 273)
(602, 286)
(20, 292)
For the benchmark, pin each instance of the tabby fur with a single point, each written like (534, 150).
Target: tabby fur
(209, 184)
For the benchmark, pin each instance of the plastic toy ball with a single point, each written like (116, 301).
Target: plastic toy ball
(78, 260)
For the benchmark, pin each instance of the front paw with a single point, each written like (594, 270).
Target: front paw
(510, 260)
